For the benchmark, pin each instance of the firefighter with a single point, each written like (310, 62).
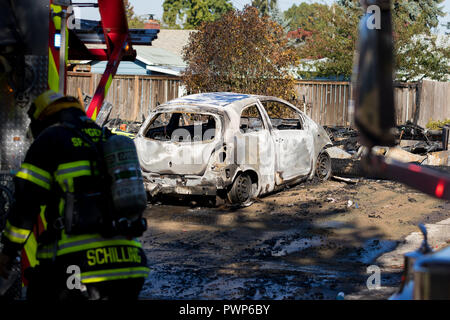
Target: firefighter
(61, 162)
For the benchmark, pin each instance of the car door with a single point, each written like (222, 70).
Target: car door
(293, 144)
(255, 147)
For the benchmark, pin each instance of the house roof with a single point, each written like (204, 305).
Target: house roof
(172, 40)
(171, 70)
(165, 53)
(148, 58)
(158, 56)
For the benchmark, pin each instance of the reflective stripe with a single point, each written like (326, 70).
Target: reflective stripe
(16, 235)
(42, 215)
(103, 241)
(73, 169)
(36, 175)
(121, 133)
(94, 114)
(115, 274)
(108, 84)
(37, 170)
(62, 202)
(85, 242)
(56, 18)
(53, 75)
(66, 172)
(90, 244)
(31, 250)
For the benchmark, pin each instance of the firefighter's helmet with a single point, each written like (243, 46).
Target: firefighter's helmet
(50, 102)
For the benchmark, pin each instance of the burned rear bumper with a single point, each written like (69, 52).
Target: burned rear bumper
(178, 185)
(219, 177)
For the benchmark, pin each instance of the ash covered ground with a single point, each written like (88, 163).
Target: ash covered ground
(311, 241)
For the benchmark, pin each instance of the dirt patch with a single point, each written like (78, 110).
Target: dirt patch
(308, 242)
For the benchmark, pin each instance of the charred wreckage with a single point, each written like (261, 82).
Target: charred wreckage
(234, 146)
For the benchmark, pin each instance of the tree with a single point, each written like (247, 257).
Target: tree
(265, 7)
(134, 21)
(280, 18)
(333, 40)
(334, 34)
(428, 11)
(192, 13)
(300, 18)
(241, 52)
(418, 52)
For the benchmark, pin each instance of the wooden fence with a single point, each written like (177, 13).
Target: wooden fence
(433, 102)
(132, 97)
(326, 102)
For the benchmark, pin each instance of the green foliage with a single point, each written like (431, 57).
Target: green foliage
(333, 39)
(192, 13)
(279, 17)
(335, 30)
(418, 53)
(351, 4)
(265, 7)
(134, 22)
(241, 52)
(428, 11)
(436, 125)
(300, 16)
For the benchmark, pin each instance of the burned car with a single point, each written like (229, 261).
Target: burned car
(230, 145)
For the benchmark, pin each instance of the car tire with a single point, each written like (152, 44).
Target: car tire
(241, 191)
(323, 166)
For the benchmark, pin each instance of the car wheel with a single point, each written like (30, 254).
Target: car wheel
(323, 166)
(241, 191)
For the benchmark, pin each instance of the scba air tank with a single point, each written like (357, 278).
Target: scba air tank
(127, 185)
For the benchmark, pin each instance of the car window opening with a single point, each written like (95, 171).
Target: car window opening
(282, 116)
(182, 127)
(251, 120)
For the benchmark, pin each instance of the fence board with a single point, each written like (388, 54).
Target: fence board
(132, 97)
(326, 102)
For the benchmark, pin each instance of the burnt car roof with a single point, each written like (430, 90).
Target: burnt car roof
(221, 99)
